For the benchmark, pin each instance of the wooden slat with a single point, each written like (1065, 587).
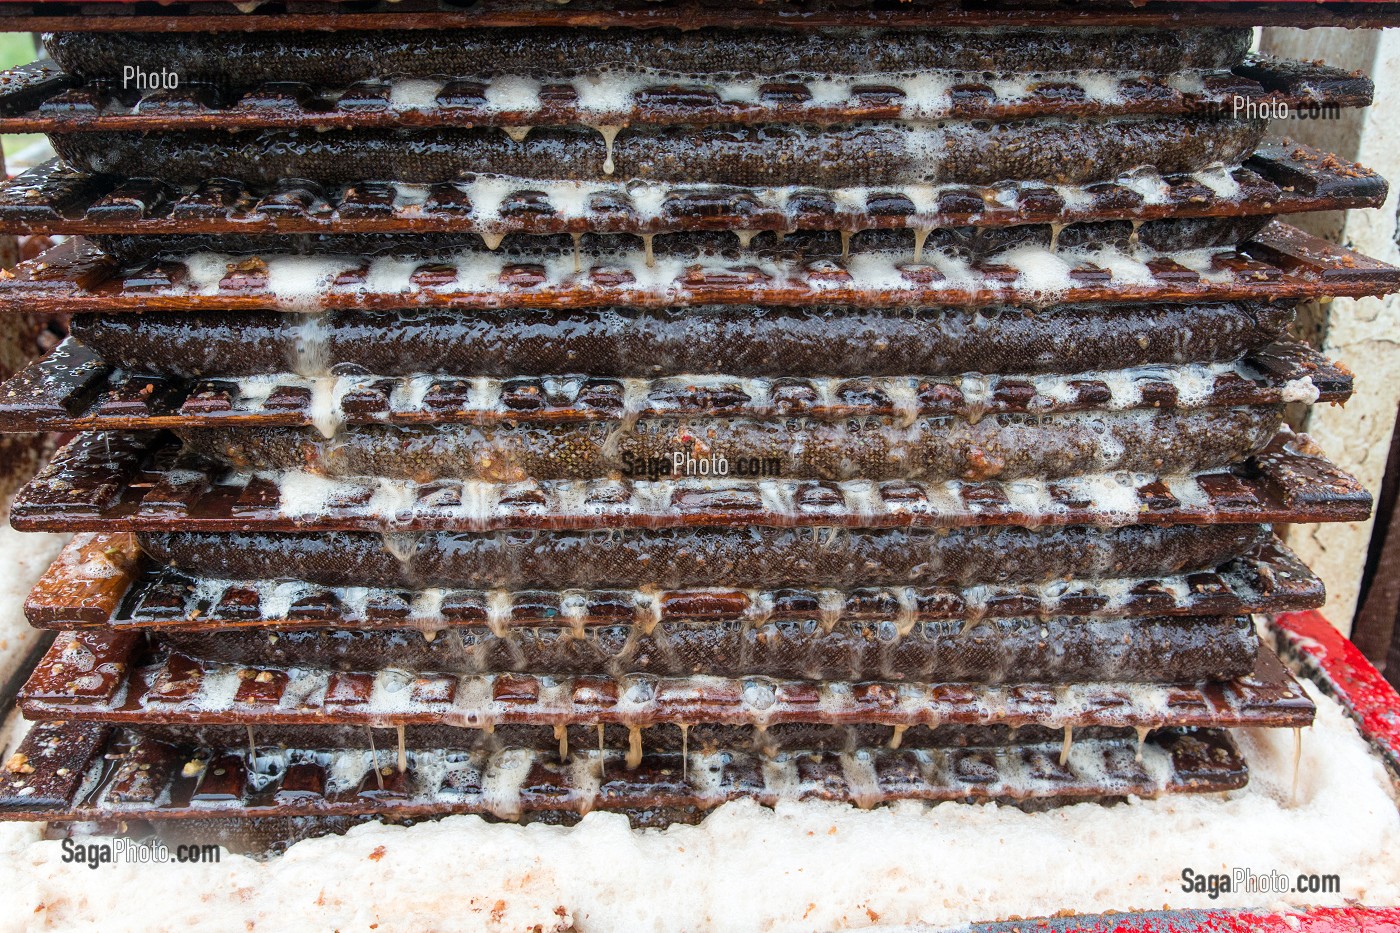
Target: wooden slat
(1282, 177)
(74, 277)
(304, 697)
(99, 482)
(214, 15)
(521, 784)
(1262, 83)
(73, 390)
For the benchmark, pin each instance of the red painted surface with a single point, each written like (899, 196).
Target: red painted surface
(1339, 667)
(1324, 655)
(1319, 920)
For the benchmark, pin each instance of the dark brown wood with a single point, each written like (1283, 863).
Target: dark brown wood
(138, 778)
(126, 685)
(213, 16)
(34, 99)
(28, 86)
(104, 581)
(52, 772)
(121, 482)
(1376, 627)
(72, 390)
(1283, 177)
(1279, 263)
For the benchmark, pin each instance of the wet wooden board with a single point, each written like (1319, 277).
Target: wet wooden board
(1279, 263)
(35, 99)
(71, 389)
(78, 771)
(127, 482)
(111, 677)
(212, 15)
(104, 581)
(1283, 177)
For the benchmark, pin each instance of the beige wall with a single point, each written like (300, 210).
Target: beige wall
(1363, 334)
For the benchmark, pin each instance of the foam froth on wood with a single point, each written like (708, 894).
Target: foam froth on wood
(792, 865)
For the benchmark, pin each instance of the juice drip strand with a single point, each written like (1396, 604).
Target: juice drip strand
(609, 134)
(1297, 760)
(374, 758)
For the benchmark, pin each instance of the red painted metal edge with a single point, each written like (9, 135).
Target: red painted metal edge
(1317, 650)
(1318, 920)
(1310, 643)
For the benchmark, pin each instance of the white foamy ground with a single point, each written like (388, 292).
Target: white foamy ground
(802, 867)
(23, 557)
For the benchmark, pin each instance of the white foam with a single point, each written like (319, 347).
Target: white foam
(571, 200)
(1146, 183)
(302, 494)
(1042, 271)
(790, 869)
(24, 557)
(253, 391)
(512, 93)
(414, 94)
(298, 281)
(1302, 389)
(1075, 197)
(1219, 180)
(410, 196)
(1113, 495)
(612, 91)
(1125, 270)
(603, 93)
